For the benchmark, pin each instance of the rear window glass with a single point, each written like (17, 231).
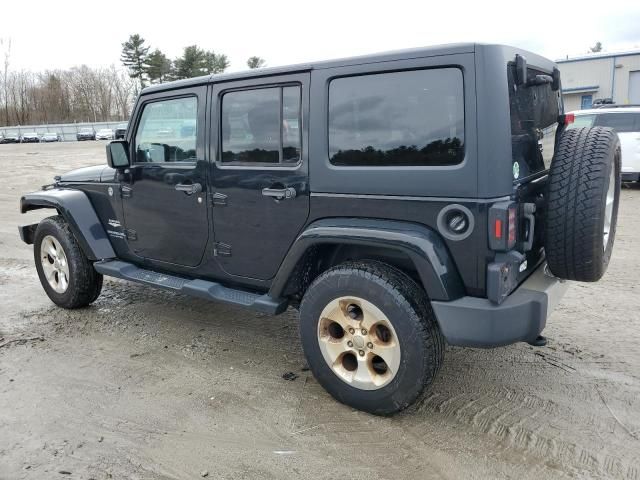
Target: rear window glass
(411, 118)
(534, 122)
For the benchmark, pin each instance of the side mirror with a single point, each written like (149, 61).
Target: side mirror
(118, 154)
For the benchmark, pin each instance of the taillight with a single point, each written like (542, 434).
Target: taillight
(503, 226)
(568, 118)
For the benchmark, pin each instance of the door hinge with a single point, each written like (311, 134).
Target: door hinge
(219, 199)
(221, 249)
(131, 234)
(126, 191)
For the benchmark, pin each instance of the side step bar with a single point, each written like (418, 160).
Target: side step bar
(197, 288)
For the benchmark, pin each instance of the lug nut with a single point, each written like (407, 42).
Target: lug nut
(369, 345)
(350, 343)
(363, 331)
(361, 352)
(352, 331)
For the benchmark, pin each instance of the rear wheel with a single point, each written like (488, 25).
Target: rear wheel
(582, 212)
(370, 336)
(66, 274)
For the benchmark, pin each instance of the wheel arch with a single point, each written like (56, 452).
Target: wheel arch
(76, 208)
(413, 248)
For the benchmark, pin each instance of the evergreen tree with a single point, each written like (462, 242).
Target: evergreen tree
(134, 57)
(215, 63)
(196, 62)
(256, 62)
(158, 67)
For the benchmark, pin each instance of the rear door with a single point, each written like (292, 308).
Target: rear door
(163, 191)
(260, 179)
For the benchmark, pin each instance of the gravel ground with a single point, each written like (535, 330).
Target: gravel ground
(146, 384)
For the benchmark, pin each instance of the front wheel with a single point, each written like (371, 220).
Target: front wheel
(66, 274)
(370, 336)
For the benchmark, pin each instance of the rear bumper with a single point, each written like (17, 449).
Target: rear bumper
(630, 176)
(477, 322)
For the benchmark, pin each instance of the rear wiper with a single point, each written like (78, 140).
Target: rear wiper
(539, 80)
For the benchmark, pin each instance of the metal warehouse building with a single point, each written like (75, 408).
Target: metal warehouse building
(600, 76)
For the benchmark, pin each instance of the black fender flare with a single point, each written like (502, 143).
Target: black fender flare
(423, 246)
(76, 208)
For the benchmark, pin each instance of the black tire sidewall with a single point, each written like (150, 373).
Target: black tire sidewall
(408, 382)
(55, 228)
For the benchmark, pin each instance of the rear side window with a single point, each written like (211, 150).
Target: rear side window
(620, 122)
(410, 118)
(261, 126)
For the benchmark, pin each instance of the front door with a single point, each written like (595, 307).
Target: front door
(261, 190)
(164, 190)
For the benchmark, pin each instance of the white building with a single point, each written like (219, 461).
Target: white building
(599, 76)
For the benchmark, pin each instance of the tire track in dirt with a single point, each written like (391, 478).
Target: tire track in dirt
(540, 427)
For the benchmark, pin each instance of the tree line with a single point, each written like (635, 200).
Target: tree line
(85, 94)
(148, 66)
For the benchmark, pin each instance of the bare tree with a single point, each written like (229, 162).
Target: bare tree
(5, 43)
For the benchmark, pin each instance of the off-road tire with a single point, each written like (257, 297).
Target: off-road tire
(577, 193)
(406, 306)
(85, 284)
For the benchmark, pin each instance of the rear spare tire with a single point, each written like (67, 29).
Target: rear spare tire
(582, 204)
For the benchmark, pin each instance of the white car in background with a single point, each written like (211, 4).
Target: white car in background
(104, 134)
(626, 122)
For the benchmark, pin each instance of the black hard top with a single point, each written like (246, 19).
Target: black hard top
(502, 51)
(435, 50)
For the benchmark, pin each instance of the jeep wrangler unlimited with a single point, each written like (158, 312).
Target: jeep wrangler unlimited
(400, 201)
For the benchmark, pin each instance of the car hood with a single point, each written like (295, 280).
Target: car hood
(86, 174)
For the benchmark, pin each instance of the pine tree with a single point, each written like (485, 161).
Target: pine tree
(134, 57)
(158, 67)
(256, 62)
(196, 62)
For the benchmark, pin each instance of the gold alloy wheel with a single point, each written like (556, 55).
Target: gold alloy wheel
(54, 264)
(359, 343)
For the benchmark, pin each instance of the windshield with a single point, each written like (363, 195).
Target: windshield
(86, 130)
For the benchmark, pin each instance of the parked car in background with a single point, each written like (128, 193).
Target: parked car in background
(626, 122)
(86, 133)
(104, 134)
(30, 137)
(10, 138)
(51, 137)
(121, 131)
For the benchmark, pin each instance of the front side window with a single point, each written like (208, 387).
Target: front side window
(261, 126)
(167, 131)
(410, 118)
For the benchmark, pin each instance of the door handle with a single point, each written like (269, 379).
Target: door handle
(189, 188)
(279, 193)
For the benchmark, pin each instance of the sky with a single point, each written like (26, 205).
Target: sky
(55, 34)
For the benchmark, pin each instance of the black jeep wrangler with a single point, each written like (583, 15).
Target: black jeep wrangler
(400, 201)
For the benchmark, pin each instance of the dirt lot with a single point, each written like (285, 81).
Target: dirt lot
(147, 384)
